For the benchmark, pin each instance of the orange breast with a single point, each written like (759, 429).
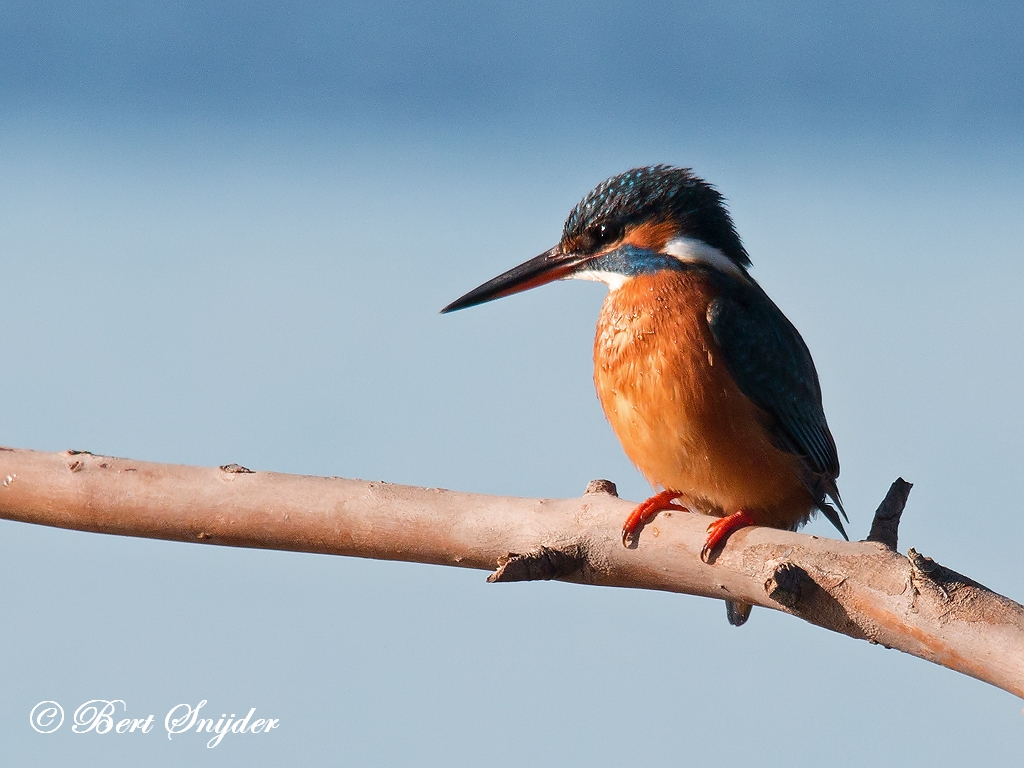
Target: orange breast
(678, 413)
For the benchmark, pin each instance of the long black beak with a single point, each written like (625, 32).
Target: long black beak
(550, 265)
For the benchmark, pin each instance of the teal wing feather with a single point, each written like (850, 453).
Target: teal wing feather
(773, 367)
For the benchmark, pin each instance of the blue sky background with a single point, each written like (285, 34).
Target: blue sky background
(225, 233)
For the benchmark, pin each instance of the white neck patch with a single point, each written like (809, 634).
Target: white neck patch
(693, 251)
(686, 249)
(613, 280)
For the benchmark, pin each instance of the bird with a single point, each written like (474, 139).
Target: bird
(708, 386)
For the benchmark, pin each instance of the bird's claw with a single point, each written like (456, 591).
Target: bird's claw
(720, 529)
(644, 512)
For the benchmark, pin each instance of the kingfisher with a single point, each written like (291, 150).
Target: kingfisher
(708, 386)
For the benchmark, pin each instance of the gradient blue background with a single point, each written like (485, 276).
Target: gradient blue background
(225, 233)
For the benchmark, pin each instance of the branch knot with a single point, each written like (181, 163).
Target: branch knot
(786, 584)
(543, 565)
(236, 469)
(601, 486)
(886, 523)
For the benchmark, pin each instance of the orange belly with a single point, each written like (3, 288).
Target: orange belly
(678, 413)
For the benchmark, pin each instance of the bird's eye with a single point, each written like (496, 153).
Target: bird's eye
(600, 235)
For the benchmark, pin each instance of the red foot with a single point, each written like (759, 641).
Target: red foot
(645, 512)
(720, 529)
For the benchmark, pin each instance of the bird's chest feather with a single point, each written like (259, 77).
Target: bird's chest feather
(668, 395)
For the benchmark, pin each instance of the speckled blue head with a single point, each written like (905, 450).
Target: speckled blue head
(641, 221)
(654, 194)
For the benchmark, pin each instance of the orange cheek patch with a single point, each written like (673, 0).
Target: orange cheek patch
(650, 235)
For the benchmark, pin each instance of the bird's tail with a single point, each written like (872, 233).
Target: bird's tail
(738, 613)
(826, 487)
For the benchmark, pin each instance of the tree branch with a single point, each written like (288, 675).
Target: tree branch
(862, 589)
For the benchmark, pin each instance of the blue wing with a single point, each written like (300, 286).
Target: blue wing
(772, 366)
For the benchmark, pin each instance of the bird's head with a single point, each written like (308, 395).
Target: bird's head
(638, 222)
